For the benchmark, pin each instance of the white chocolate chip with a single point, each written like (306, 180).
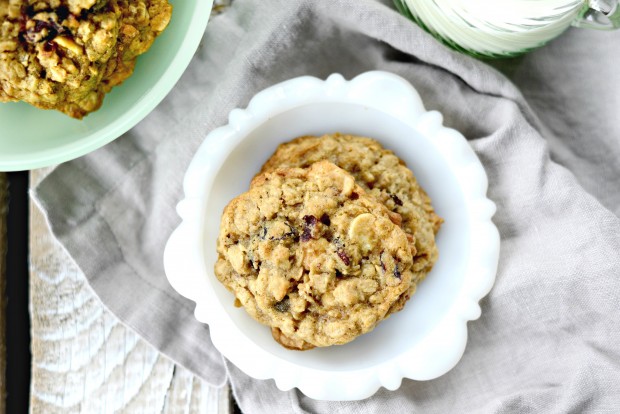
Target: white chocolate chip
(362, 231)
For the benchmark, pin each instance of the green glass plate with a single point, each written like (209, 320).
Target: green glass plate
(33, 138)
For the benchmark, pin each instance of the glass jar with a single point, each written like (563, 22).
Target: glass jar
(500, 28)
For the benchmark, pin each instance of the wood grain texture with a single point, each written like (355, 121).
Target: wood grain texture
(83, 359)
(3, 235)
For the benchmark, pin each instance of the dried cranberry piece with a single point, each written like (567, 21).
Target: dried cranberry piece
(31, 35)
(309, 225)
(325, 219)
(310, 220)
(343, 256)
(341, 252)
(354, 196)
(53, 27)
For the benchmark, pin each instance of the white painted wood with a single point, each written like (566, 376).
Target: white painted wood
(84, 360)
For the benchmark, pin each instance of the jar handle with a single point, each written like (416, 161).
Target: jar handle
(600, 14)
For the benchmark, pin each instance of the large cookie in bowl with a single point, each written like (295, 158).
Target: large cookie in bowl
(309, 253)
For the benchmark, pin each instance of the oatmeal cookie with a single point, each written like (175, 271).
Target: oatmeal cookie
(67, 54)
(309, 253)
(382, 174)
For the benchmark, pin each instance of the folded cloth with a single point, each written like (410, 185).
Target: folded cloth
(548, 337)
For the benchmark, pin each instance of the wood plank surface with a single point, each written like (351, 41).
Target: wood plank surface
(3, 235)
(86, 361)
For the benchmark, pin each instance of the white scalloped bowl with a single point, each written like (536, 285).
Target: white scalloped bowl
(423, 341)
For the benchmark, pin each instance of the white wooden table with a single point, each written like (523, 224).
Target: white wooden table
(83, 359)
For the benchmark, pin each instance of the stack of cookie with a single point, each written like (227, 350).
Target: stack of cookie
(332, 237)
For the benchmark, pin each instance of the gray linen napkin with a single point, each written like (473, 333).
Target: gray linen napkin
(548, 337)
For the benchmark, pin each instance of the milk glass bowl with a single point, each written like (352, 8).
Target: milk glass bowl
(499, 28)
(424, 340)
